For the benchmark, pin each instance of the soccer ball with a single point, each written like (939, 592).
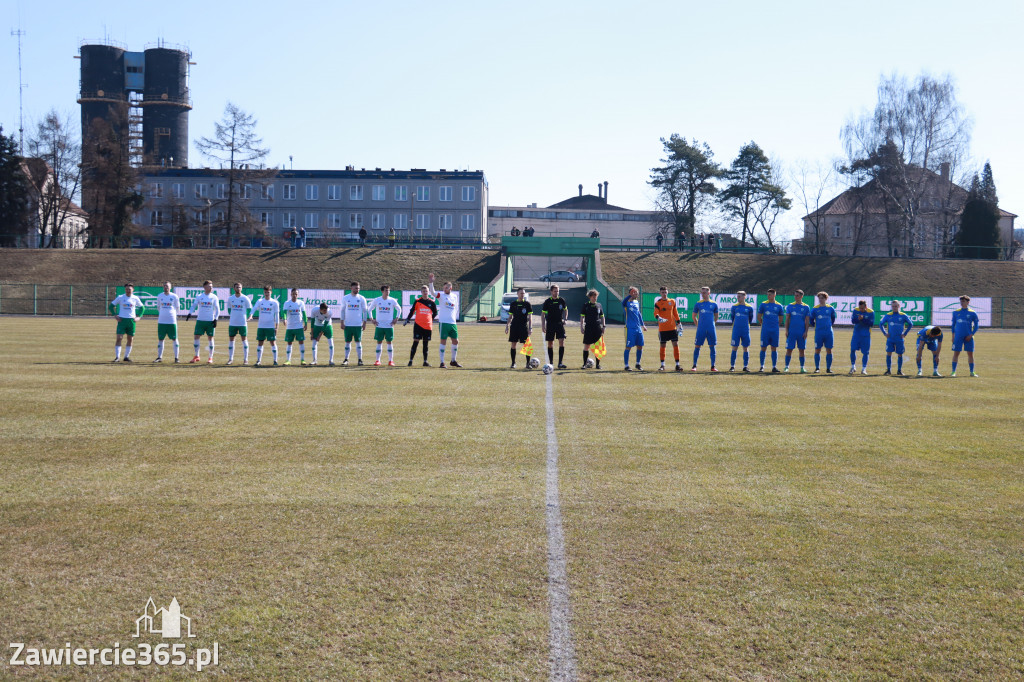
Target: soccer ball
(548, 369)
(590, 363)
(534, 363)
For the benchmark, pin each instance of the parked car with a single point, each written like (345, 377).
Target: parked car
(506, 301)
(560, 276)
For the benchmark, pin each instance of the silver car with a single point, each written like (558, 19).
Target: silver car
(560, 276)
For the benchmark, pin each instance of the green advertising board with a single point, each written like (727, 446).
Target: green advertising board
(918, 309)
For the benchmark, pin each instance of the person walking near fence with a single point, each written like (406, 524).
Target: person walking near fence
(362, 236)
(391, 237)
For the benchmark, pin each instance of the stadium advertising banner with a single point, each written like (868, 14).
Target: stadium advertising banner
(943, 307)
(845, 305)
(409, 297)
(919, 310)
(148, 297)
(727, 301)
(187, 296)
(314, 297)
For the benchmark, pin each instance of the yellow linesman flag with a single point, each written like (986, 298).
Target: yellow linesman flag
(527, 347)
(599, 349)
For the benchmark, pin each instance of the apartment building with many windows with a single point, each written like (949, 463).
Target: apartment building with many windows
(331, 205)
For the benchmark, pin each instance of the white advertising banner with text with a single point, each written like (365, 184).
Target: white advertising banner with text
(943, 308)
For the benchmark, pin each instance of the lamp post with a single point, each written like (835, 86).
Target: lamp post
(209, 219)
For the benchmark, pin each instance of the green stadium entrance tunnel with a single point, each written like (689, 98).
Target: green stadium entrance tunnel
(586, 248)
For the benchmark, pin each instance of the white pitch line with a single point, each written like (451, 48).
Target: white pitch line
(563, 653)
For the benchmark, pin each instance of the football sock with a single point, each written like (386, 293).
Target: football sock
(935, 364)
(231, 351)
(288, 353)
(661, 354)
(412, 353)
(919, 365)
(586, 354)
(899, 363)
(159, 349)
(512, 354)
(713, 354)
(970, 364)
(561, 354)
(348, 349)
(330, 350)
(625, 357)
(302, 351)
(802, 360)
(273, 349)
(551, 355)
(245, 350)
(391, 353)
(864, 361)
(117, 353)
(210, 347)
(259, 354)
(762, 358)
(696, 354)
(732, 358)
(954, 365)
(314, 342)
(426, 349)
(359, 350)
(379, 346)
(455, 350)
(176, 347)
(675, 352)
(128, 351)
(441, 351)
(888, 363)
(639, 354)
(853, 358)
(817, 361)
(828, 362)
(196, 345)
(789, 358)
(746, 357)
(775, 358)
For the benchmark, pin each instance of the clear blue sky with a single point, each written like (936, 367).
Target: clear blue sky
(544, 95)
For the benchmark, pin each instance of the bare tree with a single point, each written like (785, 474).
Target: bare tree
(237, 149)
(915, 129)
(813, 184)
(55, 144)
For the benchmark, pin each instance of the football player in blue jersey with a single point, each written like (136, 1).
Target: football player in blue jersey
(931, 338)
(895, 325)
(797, 313)
(705, 313)
(769, 315)
(965, 325)
(635, 327)
(742, 315)
(863, 319)
(823, 316)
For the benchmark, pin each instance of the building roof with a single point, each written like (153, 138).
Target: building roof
(587, 202)
(868, 199)
(347, 173)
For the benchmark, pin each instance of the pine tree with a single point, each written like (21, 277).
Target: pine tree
(979, 223)
(14, 193)
(988, 186)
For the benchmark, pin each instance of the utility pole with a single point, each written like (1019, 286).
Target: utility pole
(21, 107)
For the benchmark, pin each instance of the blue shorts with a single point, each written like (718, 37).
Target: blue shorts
(894, 345)
(769, 337)
(634, 337)
(930, 344)
(826, 339)
(861, 342)
(738, 338)
(709, 335)
(961, 344)
(797, 341)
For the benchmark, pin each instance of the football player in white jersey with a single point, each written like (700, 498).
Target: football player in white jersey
(355, 312)
(385, 310)
(169, 306)
(125, 306)
(295, 327)
(447, 315)
(206, 308)
(322, 327)
(269, 312)
(240, 308)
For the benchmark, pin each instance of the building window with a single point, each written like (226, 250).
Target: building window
(312, 192)
(334, 192)
(469, 193)
(289, 192)
(178, 190)
(288, 220)
(379, 193)
(312, 220)
(422, 221)
(444, 194)
(422, 193)
(247, 191)
(266, 192)
(835, 230)
(201, 191)
(266, 218)
(221, 191)
(220, 217)
(401, 193)
(401, 221)
(355, 221)
(156, 218)
(355, 192)
(334, 220)
(444, 221)
(378, 221)
(157, 190)
(199, 217)
(469, 221)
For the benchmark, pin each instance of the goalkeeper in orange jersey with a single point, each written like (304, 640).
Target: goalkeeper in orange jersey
(669, 326)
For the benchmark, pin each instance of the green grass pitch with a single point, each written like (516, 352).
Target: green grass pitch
(389, 524)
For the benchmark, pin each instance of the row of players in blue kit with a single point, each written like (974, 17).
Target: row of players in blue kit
(799, 317)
